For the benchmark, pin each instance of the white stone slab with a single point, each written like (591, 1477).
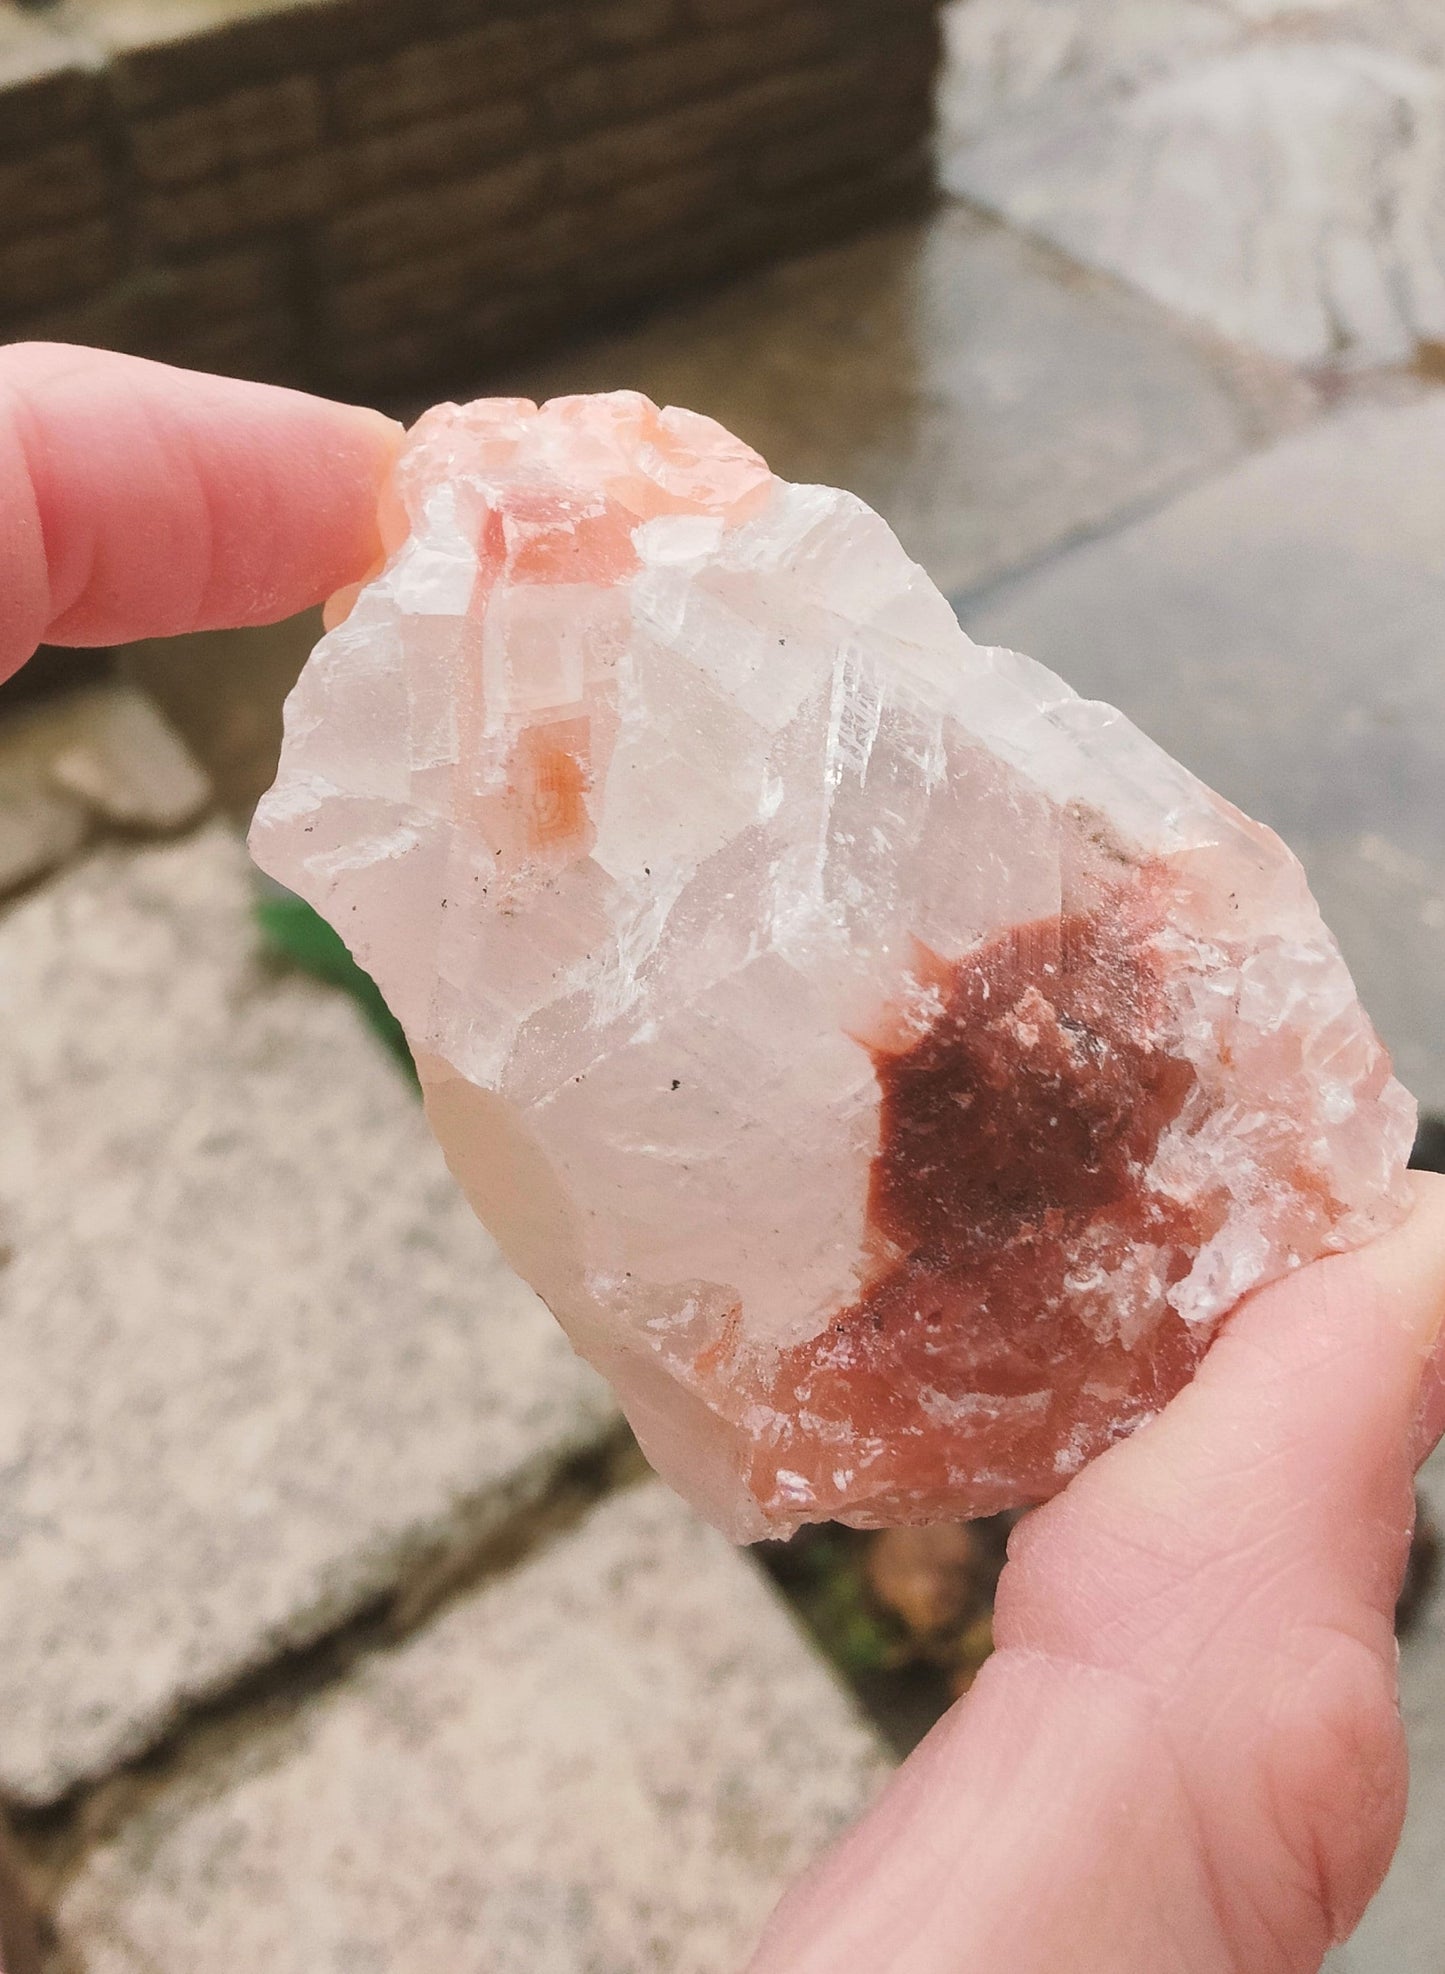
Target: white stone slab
(258, 1357)
(610, 1762)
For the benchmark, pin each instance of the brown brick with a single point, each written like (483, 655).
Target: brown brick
(729, 13)
(256, 201)
(629, 23)
(904, 17)
(458, 346)
(56, 262)
(904, 35)
(436, 147)
(244, 280)
(453, 276)
(497, 326)
(265, 345)
(49, 186)
(660, 207)
(617, 156)
(648, 269)
(402, 356)
(816, 214)
(174, 51)
(248, 127)
(458, 71)
(761, 115)
(381, 305)
(389, 232)
(744, 233)
(150, 312)
(850, 16)
(700, 65)
(841, 89)
(830, 151)
(48, 86)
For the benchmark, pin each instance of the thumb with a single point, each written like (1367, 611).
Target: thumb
(1185, 1753)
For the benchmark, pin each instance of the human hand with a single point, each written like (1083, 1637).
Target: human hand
(1185, 1755)
(141, 501)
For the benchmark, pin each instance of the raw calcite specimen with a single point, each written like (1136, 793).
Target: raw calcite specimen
(888, 1065)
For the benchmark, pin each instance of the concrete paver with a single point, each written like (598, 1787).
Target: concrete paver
(987, 401)
(1282, 630)
(260, 1360)
(609, 1762)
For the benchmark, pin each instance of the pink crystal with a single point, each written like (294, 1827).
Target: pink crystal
(889, 1066)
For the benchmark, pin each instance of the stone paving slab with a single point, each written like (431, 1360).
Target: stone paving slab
(1275, 170)
(611, 1761)
(223, 692)
(988, 401)
(259, 1358)
(1282, 630)
(99, 755)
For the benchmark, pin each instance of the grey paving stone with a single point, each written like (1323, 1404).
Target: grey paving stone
(1274, 170)
(112, 749)
(610, 1762)
(259, 1359)
(40, 826)
(223, 692)
(1282, 630)
(988, 402)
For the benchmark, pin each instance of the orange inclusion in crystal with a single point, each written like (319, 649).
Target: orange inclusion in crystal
(550, 541)
(1009, 1202)
(551, 777)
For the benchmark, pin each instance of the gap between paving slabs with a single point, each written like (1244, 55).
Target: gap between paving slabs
(51, 1844)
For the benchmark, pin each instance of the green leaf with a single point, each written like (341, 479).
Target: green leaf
(295, 935)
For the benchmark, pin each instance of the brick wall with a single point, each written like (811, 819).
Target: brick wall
(360, 194)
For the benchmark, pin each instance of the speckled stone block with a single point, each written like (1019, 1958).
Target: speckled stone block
(610, 1762)
(259, 1358)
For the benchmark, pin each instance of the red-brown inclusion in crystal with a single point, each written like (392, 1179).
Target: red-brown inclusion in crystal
(1008, 1192)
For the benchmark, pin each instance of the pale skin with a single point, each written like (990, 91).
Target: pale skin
(1185, 1756)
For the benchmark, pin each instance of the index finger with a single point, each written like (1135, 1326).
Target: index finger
(141, 501)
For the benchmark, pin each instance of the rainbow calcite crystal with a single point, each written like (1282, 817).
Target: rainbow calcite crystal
(889, 1066)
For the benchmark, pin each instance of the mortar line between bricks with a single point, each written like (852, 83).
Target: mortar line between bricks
(56, 1840)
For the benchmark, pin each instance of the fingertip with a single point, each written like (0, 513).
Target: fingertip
(143, 501)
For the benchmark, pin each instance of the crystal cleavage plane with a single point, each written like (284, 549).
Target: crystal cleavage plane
(887, 1065)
